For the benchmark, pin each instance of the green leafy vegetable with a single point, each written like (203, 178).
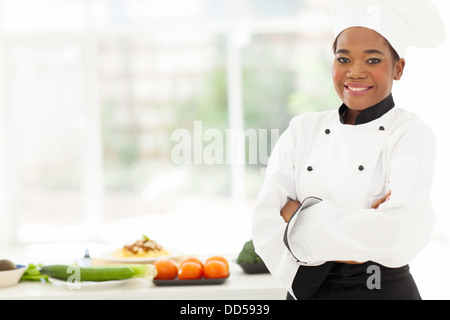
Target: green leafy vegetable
(33, 274)
(248, 254)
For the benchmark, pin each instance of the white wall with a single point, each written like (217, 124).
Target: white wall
(424, 89)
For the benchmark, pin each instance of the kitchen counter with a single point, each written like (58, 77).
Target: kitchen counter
(239, 286)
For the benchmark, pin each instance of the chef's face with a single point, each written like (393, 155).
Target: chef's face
(364, 68)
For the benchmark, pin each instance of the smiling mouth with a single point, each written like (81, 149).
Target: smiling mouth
(357, 90)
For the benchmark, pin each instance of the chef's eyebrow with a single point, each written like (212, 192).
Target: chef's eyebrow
(371, 51)
(368, 51)
(343, 51)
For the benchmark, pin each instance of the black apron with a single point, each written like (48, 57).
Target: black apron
(341, 281)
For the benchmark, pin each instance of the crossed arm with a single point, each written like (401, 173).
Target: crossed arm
(292, 205)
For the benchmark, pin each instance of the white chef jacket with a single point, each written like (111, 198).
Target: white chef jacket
(341, 170)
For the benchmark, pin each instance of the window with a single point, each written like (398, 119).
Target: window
(98, 90)
(119, 118)
(45, 123)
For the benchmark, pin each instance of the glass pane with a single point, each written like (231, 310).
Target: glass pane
(32, 16)
(44, 100)
(151, 87)
(179, 15)
(160, 14)
(284, 75)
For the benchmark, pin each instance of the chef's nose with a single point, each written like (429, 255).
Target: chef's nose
(356, 71)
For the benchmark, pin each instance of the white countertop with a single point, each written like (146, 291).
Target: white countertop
(239, 286)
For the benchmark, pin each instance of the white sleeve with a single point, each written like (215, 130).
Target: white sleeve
(394, 233)
(268, 226)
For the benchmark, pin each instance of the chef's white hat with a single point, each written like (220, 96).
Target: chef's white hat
(402, 22)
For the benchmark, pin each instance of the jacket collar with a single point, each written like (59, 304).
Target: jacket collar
(371, 113)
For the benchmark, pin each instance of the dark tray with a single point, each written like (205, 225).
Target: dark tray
(193, 282)
(253, 268)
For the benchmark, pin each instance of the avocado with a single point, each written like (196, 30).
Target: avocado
(7, 265)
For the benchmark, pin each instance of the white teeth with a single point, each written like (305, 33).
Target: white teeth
(358, 89)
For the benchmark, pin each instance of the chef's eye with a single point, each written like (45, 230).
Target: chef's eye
(373, 61)
(342, 60)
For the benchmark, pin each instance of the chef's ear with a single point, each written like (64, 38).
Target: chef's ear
(399, 67)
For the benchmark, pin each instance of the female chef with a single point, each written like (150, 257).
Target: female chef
(345, 204)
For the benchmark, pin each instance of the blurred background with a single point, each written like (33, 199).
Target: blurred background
(91, 92)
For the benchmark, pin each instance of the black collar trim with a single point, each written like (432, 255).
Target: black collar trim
(371, 113)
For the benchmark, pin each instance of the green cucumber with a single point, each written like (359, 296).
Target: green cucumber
(94, 273)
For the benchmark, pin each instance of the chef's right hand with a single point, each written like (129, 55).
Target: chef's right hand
(289, 209)
(382, 200)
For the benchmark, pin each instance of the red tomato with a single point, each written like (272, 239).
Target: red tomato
(190, 270)
(219, 258)
(166, 269)
(191, 259)
(215, 269)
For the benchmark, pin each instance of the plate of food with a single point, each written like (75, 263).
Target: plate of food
(144, 250)
(86, 284)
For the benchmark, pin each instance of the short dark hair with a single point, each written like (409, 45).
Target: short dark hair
(394, 53)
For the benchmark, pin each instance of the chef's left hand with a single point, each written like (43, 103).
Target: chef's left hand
(289, 209)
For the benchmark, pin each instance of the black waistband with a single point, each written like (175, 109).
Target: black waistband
(309, 278)
(358, 273)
